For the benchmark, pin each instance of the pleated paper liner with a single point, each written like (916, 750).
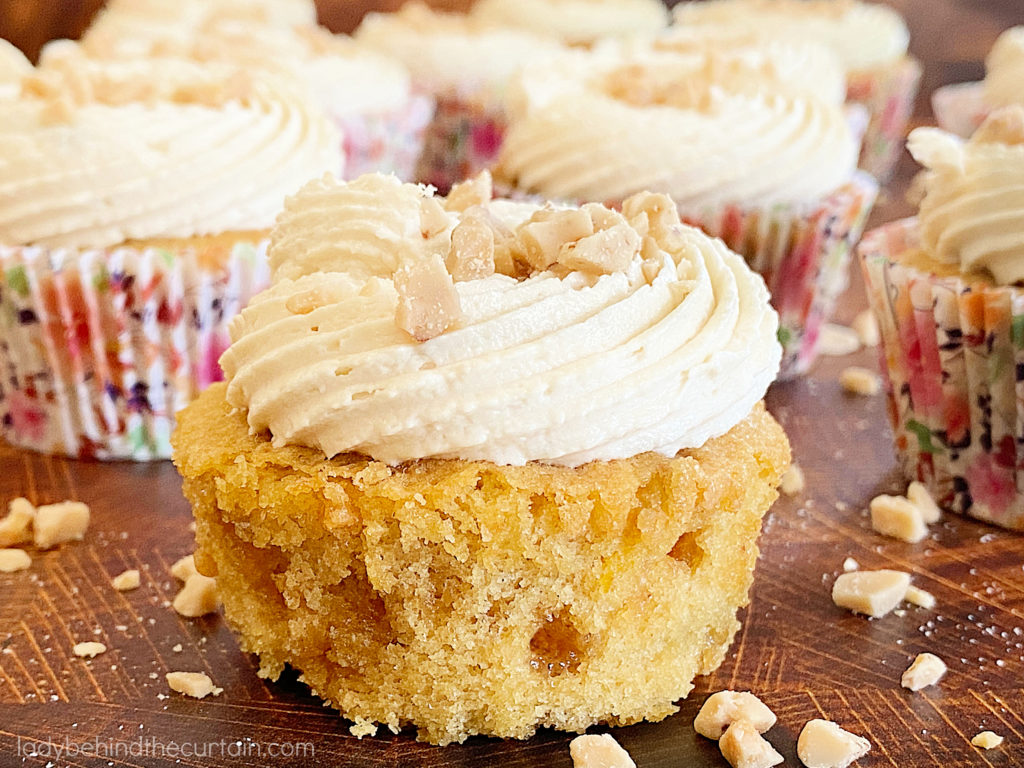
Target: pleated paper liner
(960, 108)
(952, 353)
(888, 94)
(100, 348)
(386, 142)
(463, 139)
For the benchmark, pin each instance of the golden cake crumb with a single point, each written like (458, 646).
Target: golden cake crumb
(59, 523)
(860, 381)
(362, 727)
(598, 751)
(13, 560)
(473, 191)
(873, 593)
(724, 708)
(198, 597)
(127, 581)
(743, 746)
(927, 669)
(195, 684)
(823, 744)
(88, 650)
(16, 528)
(987, 740)
(898, 518)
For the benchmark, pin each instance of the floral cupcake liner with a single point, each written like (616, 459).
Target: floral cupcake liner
(888, 94)
(953, 357)
(960, 108)
(99, 349)
(463, 139)
(386, 142)
(803, 256)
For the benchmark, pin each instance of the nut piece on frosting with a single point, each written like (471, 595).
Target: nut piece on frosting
(604, 252)
(471, 255)
(724, 708)
(1004, 126)
(428, 304)
(475, 191)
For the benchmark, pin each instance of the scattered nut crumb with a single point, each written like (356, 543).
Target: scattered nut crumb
(849, 564)
(475, 191)
(363, 727)
(860, 381)
(927, 669)
(176, 648)
(198, 597)
(873, 593)
(16, 528)
(195, 684)
(428, 304)
(793, 481)
(12, 560)
(866, 328)
(987, 740)
(127, 581)
(897, 517)
(184, 567)
(88, 650)
(598, 751)
(919, 597)
(724, 708)
(919, 496)
(58, 523)
(823, 744)
(837, 340)
(744, 747)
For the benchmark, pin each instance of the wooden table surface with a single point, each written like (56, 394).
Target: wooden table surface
(802, 655)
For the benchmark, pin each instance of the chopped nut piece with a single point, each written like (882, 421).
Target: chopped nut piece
(919, 597)
(198, 597)
(793, 481)
(1003, 126)
(195, 684)
(724, 708)
(603, 217)
(659, 209)
(543, 234)
(849, 565)
(16, 528)
(895, 516)
(610, 250)
(873, 593)
(837, 340)
(127, 581)
(918, 495)
(598, 751)
(866, 328)
(987, 740)
(927, 669)
(184, 567)
(177, 648)
(860, 381)
(88, 650)
(58, 523)
(743, 747)
(823, 744)
(471, 255)
(475, 191)
(428, 304)
(12, 560)
(433, 218)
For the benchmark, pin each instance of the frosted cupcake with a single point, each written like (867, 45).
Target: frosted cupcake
(465, 63)
(962, 107)
(576, 22)
(946, 288)
(483, 466)
(870, 41)
(134, 204)
(747, 152)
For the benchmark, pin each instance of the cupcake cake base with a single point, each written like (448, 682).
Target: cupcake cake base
(471, 598)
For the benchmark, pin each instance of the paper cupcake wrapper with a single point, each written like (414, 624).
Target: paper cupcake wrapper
(960, 108)
(952, 354)
(100, 348)
(888, 94)
(463, 139)
(803, 254)
(386, 142)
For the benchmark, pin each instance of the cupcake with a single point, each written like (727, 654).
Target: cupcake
(482, 466)
(368, 96)
(747, 152)
(961, 108)
(576, 22)
(870, 41)
(946, 288)
(135, 200)
(465, 64)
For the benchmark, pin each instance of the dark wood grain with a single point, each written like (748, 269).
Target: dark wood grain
(805, 657)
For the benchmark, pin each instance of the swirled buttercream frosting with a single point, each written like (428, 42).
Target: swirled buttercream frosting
(705, 128)
(576, 21)
(972, 212)
(1004, 70)
(13, 67)
(862, 35)
(624, 336)
(97, 153)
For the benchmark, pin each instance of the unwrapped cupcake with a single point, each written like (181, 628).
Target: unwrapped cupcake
(483, 466)
(946, 289)
(466, 64)
(749, 151)
(135, 198)
(576, 22)
(869, 39)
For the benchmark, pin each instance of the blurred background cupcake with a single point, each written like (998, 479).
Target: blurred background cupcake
(134, 201)
(576, 22)
(961, 108)
(869, 40)
(465, 62)
(369, 96)
(749, 152)
(946, 289)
